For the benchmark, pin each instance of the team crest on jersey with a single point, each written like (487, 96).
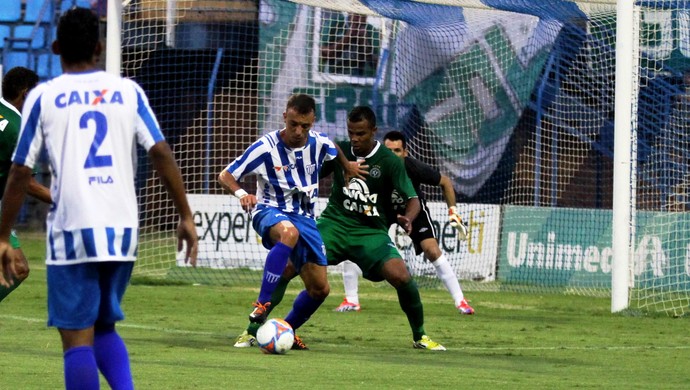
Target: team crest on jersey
(375, 172)
(309, 169)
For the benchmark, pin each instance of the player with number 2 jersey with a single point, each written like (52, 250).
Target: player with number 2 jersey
(89, 123)
(85, 121)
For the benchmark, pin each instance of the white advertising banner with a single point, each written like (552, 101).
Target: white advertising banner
(226, 236)
(227, 239)
(472, 259)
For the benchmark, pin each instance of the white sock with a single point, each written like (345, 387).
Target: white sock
(450, 280)
(351, 281)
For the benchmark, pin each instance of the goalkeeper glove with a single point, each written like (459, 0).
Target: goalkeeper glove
(457, 222)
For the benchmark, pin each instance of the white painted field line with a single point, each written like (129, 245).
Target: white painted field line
(536, 348)
(123, 325)
(590, 348)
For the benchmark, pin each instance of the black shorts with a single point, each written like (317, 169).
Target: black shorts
(422, 228)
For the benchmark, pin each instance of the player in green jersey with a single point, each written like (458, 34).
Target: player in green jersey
(424, 236)
(354, 224)
(15, 86)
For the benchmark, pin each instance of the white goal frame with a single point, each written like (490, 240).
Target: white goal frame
(626, 85)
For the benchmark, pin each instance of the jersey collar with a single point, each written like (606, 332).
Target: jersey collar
(10, 106)
(373, 150)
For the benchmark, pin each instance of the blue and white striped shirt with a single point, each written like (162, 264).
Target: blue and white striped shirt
(89, 124)
(288, 179)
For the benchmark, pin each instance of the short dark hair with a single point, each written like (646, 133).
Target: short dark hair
(17, 80)
(361, 113)
(302, 103)
(77, 35)
(395, 135)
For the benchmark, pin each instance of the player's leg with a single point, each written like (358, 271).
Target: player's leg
(111, 352)
(280, 236)
(382, 261)
(248, 337)
(395, 272)
(425, 241)
(445, 273)
(310, 299)
(310, 262)
(351, 274)
(73, 301)
(285, 236)
(379, 260)
(22, 268)
(112, 357)
(80, 367)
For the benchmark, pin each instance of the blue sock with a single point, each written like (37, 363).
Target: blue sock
(302, 309)
(80, 368)
(276, 261)
(113, 359)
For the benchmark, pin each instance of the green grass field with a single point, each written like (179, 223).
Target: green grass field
(181, 336)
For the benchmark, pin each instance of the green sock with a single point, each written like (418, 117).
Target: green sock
(276, 298)
(6, 291)
(411, 304)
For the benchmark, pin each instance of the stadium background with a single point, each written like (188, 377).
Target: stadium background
(534, 128)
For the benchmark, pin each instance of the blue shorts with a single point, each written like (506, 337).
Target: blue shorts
(309, 248)
(82, 295)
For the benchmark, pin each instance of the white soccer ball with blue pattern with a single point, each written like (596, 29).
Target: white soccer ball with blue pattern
(275, 336)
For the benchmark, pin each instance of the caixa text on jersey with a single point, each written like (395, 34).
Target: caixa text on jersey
(88, 97)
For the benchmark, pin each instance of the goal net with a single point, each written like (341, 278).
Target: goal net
(513, 100)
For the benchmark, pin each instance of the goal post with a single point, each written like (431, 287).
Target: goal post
(623, 204)
(113, 44)
(561, 125)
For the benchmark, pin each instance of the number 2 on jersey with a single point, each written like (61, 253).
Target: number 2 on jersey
(93, 160)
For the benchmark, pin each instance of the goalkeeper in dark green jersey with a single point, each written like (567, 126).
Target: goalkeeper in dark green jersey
(354, 225)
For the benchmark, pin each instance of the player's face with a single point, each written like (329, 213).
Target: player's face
(361, 137)
(297, 128)
(396, 147)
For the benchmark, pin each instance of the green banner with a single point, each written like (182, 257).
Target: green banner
(571, 248)
(463, 85)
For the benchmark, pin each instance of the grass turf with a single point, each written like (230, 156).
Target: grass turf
(180, 336)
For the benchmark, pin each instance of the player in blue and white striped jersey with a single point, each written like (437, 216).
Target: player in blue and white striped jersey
(287, 164)
(288, 178)
(89, 123)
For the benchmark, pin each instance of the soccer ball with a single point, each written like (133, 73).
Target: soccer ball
(275, 336)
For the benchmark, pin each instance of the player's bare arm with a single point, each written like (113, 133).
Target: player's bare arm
(412, 208)
(448, 190)
(169, 173)
(351, 168)
(39, 191)
(228, 182)
(453, 215)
